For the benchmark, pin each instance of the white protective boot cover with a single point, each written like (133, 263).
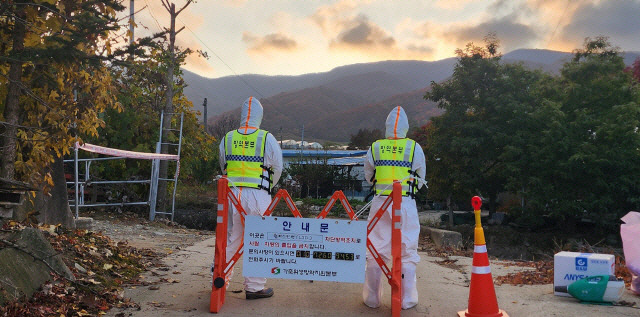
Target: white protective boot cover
(409, 287)
(372, 290)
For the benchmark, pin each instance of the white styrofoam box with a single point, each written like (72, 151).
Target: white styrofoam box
(569, 267)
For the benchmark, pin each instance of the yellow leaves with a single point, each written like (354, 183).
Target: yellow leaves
(32, 13)
(52, 2)
(81, 46)
(54, 24)
(84, 75)
(83, 312)
(32, 39)
(14, 225)
(51, 229)
(49, 179)
(53, 95)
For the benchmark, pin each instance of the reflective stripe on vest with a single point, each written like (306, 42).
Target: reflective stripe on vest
(244, 154)
(393, 160)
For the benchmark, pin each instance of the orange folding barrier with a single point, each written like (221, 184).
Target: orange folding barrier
(219, 278)
(283, 194)
(222, 267)
(338, 195)
(394, 275)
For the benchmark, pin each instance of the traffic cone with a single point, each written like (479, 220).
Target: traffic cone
(482, 295)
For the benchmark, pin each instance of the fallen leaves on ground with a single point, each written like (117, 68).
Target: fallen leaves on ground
(450, 263)
(543, 274)
(427, 245)
(101, 267)
(622, 271)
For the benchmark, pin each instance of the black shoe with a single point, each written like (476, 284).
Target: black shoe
(267, 292)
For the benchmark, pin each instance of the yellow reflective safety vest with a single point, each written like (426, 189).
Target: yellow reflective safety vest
(244, 154)
(393, 160)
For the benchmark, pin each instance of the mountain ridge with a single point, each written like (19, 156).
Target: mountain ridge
(335, 104)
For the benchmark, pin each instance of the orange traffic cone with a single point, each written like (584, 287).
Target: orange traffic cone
(482, 295)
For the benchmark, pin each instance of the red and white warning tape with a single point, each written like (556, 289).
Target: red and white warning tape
(124, 153)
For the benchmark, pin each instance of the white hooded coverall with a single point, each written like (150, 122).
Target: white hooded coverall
(397, 126)
(253, 200)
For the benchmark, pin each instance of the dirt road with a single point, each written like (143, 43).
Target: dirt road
(181, 287)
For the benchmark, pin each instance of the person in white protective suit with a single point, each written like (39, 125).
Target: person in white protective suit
(252, 160)
(394, 158)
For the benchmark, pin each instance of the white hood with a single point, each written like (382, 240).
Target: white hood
(397, 124)
(251, 116)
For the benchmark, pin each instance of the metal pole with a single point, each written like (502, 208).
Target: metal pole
(153, 188)
(206, 130)
(131, 21)
(160, 138)
(175, 183)
(75, 150)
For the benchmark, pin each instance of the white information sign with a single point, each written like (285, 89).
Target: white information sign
(305, 248)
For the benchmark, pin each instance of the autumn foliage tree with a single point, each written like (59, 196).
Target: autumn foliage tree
(55, 80)
(66, 75)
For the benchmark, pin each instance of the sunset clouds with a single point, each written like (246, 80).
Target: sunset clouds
(293, 37)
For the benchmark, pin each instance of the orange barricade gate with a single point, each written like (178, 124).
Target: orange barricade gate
(222, 267)
(283, 194)
(394, 275)
(338, 195)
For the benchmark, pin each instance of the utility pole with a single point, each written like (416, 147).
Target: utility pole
(205, 115)
(131, 21)
(168, 108)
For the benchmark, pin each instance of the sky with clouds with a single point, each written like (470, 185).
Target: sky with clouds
(291, 37)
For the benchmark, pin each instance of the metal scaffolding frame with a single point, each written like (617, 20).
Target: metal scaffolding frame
(155, 170)
(80, 185)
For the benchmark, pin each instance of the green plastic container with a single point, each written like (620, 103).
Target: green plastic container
(596, 289)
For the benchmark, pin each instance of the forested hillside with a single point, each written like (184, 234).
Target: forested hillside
(348, 98)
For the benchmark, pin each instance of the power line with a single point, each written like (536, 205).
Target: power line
(260, 94)
(558, 24)
(223, 62)
(153, 16)
(256, 90)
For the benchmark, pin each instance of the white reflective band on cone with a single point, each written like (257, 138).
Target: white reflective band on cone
(480, 269)
(220, 206)
(397, 225)
(480, 248)
(219, 219)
